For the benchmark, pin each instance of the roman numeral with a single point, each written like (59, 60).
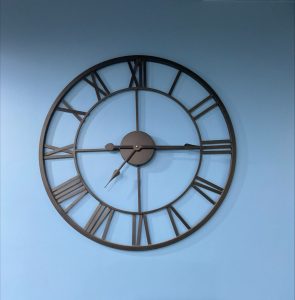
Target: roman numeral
(96, 82)
(138, 69)
(137, 230)
(173, 212)
(79, 115)
(68, 189)
(216, 147)
(59, 152)
(100, 214)
(174, 83)
(202, 112)
(209, 186)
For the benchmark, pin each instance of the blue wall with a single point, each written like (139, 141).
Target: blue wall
(245, 51)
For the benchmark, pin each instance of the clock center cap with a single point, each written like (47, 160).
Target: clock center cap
(137, 139)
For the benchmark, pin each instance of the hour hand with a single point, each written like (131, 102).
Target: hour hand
(117, 171)
(115, 174)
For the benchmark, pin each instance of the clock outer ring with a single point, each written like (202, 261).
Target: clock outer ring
(154, 59)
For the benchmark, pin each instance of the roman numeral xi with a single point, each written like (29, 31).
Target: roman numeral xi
(95, 81)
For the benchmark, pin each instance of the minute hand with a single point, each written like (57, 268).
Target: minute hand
(178, 147)
(112, 147)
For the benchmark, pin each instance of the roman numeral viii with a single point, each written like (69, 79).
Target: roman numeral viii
(98, 217)
(207, 185)
(138, 69)
(96, 82)
(72, 188)
(137, 229)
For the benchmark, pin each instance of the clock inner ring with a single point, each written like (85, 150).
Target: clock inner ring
(137, 155)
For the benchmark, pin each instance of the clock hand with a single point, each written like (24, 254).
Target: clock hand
(174, 147)
(117, 171)
(112, 147)
(108, 147)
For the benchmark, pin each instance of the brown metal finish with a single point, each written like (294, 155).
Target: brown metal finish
(138, 138)
(77, 188)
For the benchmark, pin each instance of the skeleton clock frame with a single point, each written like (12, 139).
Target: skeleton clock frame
(138, 66)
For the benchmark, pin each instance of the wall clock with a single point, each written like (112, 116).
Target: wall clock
(137, 152)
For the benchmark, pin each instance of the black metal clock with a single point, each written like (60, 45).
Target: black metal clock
(137, 152)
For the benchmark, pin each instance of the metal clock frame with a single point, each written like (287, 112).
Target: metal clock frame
(143, 86)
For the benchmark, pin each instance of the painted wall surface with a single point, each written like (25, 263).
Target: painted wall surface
(245, 50)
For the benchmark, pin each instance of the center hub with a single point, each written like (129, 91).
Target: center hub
(137, 139)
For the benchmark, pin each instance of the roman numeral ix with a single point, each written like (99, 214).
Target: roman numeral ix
(59, 152)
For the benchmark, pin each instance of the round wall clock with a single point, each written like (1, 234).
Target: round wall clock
(137, 152)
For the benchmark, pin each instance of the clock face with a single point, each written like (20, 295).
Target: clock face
(137, 152)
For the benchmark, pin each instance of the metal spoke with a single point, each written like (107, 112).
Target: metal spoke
(136, 109)
(139, 189)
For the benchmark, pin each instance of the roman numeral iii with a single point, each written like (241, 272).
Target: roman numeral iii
(216, 147)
